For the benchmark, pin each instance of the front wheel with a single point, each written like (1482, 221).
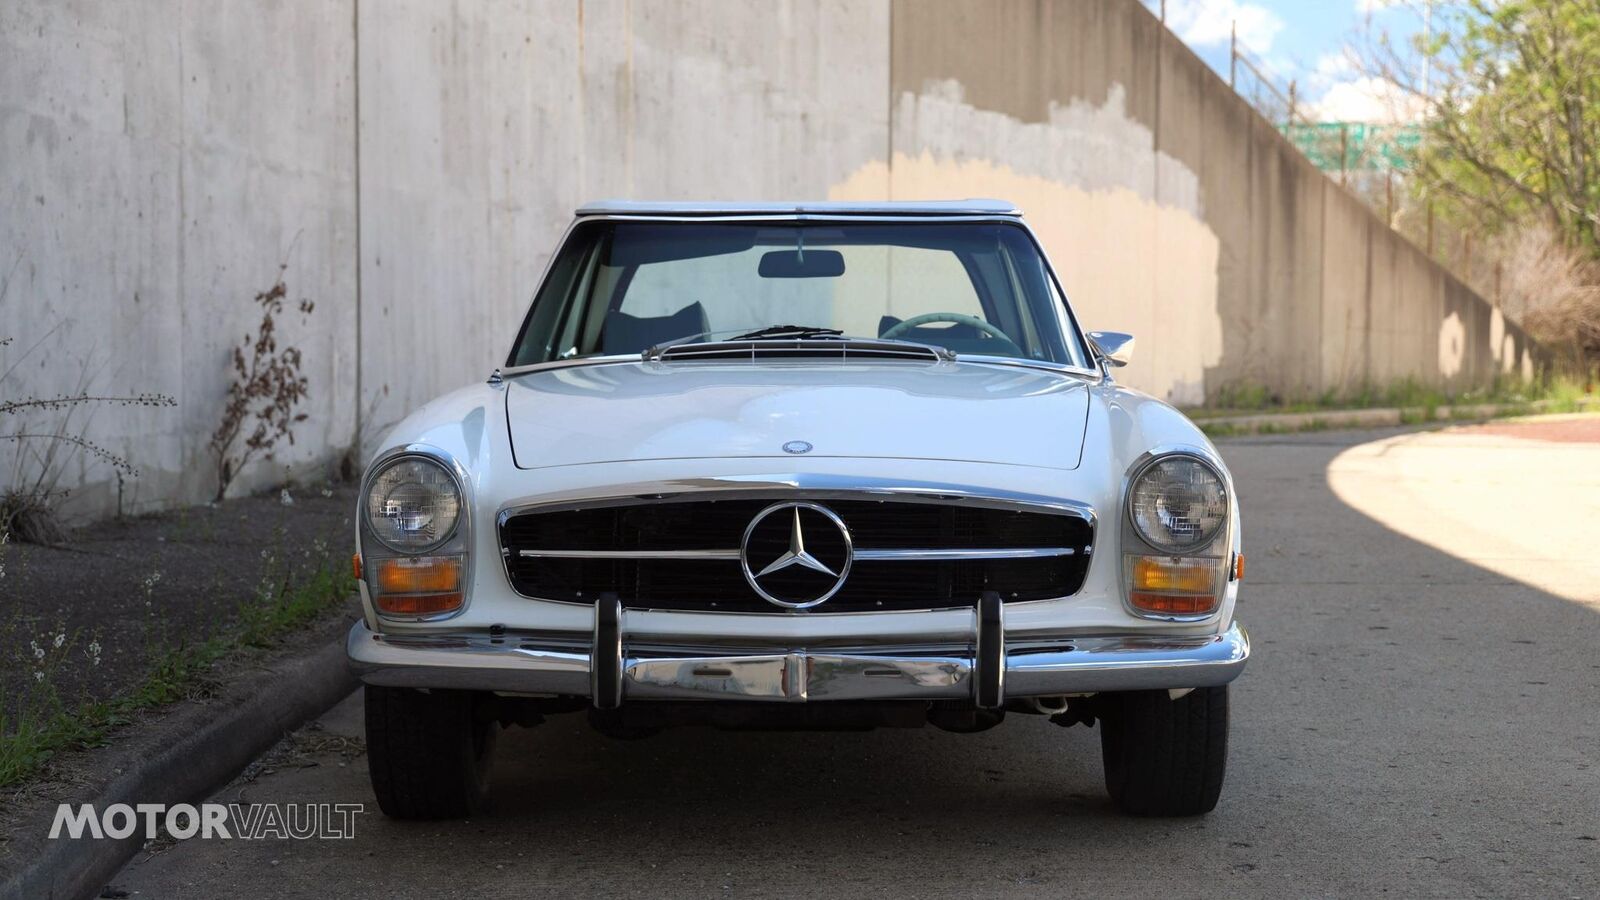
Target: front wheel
(1165, 757)
(428, 752)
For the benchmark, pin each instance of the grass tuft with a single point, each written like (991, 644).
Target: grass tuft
(37, 725)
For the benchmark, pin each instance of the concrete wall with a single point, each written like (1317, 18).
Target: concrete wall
(412, 163)
(1171, 208)
(158, 162)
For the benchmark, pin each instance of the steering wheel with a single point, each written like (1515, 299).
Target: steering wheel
(956, 318)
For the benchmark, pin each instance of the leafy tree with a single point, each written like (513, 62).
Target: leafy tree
(1510, 92)
(1511, 89)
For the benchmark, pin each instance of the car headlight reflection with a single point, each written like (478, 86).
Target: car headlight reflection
(413, 505)
(1178, 504)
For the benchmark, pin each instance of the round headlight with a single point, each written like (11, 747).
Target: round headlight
(413, 504)
(1178, 504)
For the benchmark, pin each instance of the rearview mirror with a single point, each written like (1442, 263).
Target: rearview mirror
(1115, 347)
(802, 264)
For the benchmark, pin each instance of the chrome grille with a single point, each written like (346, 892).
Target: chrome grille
(684, 553)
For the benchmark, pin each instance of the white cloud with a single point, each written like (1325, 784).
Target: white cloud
(1368, 7)
(1334, 66)
(1202, 23)
(1366, 99)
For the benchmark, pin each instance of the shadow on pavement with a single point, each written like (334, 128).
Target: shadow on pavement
(1410, 722)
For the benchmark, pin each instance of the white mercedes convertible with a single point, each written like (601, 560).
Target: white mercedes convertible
(831, 466)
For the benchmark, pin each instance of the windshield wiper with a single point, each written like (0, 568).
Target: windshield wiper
(785, 332)
(777, 332)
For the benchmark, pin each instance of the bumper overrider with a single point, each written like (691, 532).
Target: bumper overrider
(609, 669)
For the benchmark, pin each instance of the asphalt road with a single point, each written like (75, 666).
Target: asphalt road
(1412, 723)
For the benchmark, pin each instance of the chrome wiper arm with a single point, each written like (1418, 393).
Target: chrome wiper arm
(654, 351)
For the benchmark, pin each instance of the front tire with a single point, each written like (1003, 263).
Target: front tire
(428, 753)
(1165, 757)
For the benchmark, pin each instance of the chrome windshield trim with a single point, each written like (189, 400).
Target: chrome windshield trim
(1018, 362)
(807, 486)
(1013, 362)
(629, 554)
(933, 554)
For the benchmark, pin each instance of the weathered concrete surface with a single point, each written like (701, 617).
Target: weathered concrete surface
(1176, 212)
(485, 125)
(1414, 722)
(159, 161)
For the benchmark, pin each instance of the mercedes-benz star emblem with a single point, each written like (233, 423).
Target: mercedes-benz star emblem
(796, 554)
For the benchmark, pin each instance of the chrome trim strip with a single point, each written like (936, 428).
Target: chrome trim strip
(930, 554)
(1064, 665)
(614, 359)
(799, 676)
(807, 486)
(630, 554)
(1131, 662)
(925, 554)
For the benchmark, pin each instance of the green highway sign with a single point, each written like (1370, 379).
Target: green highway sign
(1355, 146)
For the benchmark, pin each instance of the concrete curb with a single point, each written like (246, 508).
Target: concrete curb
(1381, 417)
(218, 739)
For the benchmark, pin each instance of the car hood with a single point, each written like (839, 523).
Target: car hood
(965, 411)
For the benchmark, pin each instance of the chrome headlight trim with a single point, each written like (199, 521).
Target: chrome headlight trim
(461, 535)
(1130, 532)
(1156, 458)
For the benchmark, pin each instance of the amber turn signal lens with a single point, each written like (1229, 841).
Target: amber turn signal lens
(1183, 586)
(417, 585)
(419, 575)
(417, 604)
(355, 564)
(1238, 567)
(1174, 604)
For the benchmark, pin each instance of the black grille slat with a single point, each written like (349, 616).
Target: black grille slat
(702, 524)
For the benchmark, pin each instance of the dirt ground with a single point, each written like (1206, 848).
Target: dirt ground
(133, 585)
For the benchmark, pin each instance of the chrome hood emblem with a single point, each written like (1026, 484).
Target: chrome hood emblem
(796, 554)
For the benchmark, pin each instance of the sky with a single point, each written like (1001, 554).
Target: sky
(1302, 41)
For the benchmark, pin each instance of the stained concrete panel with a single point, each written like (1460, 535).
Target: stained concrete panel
(489, 129)
(159, 166)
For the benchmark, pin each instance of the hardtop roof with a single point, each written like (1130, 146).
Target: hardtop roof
(972, 207)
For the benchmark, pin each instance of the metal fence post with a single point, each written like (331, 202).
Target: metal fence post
(1233, 55)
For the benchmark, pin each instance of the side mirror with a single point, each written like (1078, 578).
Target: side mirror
(1115, 347)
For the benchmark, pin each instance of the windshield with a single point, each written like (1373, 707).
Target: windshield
(621, 287)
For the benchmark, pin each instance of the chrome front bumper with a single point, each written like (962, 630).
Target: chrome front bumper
(610, 669)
